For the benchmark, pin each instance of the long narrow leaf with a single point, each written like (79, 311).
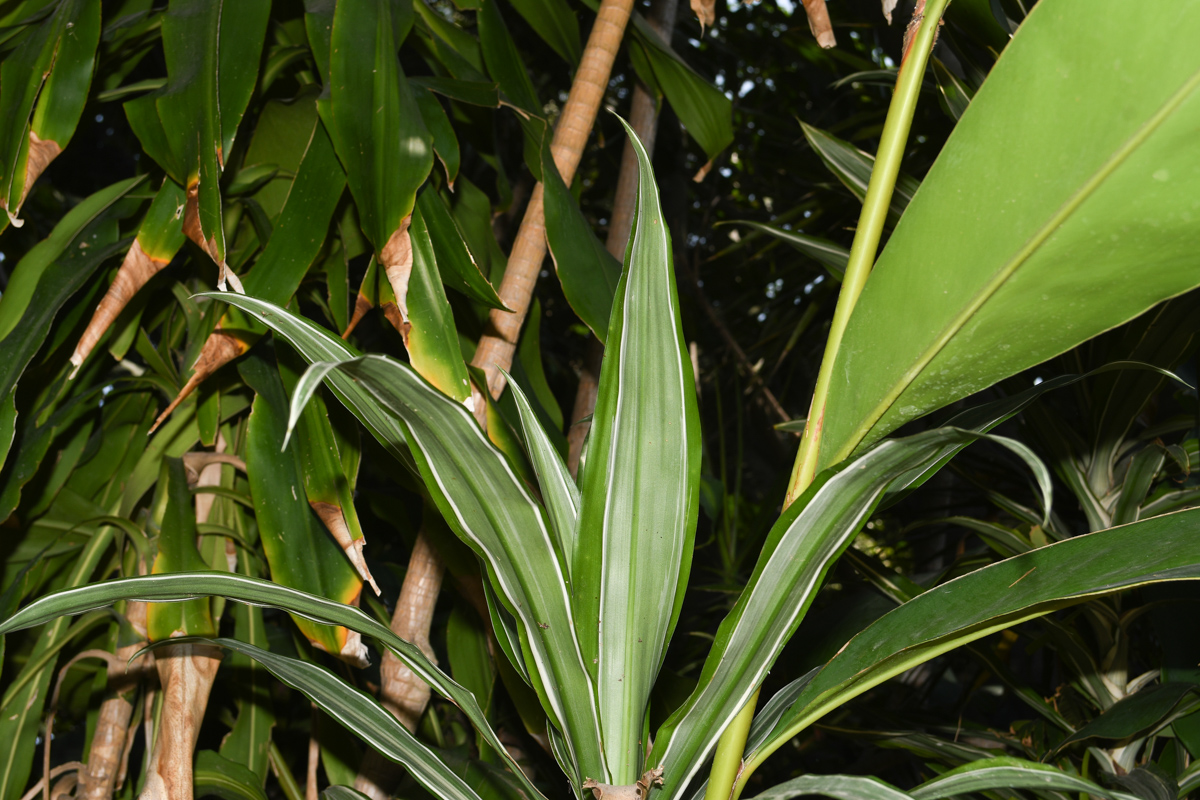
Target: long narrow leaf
(252, 591)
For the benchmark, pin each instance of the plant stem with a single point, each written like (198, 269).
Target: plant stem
(727, 760)
(729, 773)
(870, 229)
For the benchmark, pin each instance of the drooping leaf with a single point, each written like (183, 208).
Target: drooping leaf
(1003, 772)
(173, 588)
(176, 541)
(991, 599)
(640, 494)
(555, 22)
(853, 168)
(841, 787)
(994, 298)
(361, 714)
(831, 255)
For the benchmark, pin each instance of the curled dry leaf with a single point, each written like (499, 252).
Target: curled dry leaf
(637, 791)
(706, 12)
(137, 268)
(397, 260)
(361, 306)
(41, 153)
(818, 22)
(334, 520)
(194, 231)
(219, 350)
(888, 7)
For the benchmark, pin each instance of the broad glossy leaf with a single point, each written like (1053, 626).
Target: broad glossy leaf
(45, 80)
(853, 168)
(831, 255)
(640, 493)
(376, 124)
(168, 588)
(1003, 772)
(992, 599)
(799, 550)
(1033, 231)
(212, 51)
(301, 553)
(362, 715)
(587, 271)
(476, 93)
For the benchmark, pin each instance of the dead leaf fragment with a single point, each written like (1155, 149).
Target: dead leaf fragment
(194, 231)
(137, 268)
(888, 7)
(819, 24)
(219, 350)
(706, 12)
(637, 791)
(334, 520)
(397, 259)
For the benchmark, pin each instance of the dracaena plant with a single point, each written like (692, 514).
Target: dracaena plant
(584, 579)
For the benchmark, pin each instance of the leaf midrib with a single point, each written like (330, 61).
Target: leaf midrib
(1009, 269)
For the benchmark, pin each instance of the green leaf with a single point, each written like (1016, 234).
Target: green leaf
(212, 51)
(491, 510)
(853, 168)
(829, 254)
(301, 554)
(317, 345)
(177, 552)
(248, 742)
(956, 94)
(555, 22)
(54, 270)
(431, 337)
(1133, 716)
(558, 488)
(476, 93)
(455, 263)
(45, 84)
(214, 775)
(168, 588)
(445, 143)
(992, 599)
(842, 787)
(362, 715)
(587, 271)
(799, 550)
(376, 123)
(1033, 231)
(702, 108)
(1003, 772)
(640, 494)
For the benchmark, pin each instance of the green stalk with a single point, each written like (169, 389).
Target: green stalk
(729, 773)
(727, 760)
(870, 230)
